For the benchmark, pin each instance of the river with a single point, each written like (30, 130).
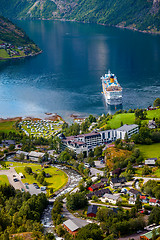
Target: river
(74, 179)
(65, 78)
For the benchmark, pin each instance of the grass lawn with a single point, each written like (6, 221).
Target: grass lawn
(150, 151)
(126, 118)
(3, 53)
(3, 179)
(129, 118)
(7, 126)
(57, 180)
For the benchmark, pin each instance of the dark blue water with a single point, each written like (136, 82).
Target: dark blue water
(65, 78)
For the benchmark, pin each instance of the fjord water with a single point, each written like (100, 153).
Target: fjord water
(65, 78)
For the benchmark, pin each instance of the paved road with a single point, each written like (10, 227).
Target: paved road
(19, 184)
(95, 171)
(99, 164)
(108, 206)
(146, 179)
(9, 173)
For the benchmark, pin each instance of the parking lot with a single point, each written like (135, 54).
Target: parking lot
(18, 184)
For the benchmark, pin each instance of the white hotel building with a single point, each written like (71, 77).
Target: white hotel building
(88, 141)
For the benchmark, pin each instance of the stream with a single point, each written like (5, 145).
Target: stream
(46, 217)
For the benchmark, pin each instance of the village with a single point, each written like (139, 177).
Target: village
(9, 50)
(115, 175)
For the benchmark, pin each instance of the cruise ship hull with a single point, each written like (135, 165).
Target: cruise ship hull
(113, 98)
(112, 90)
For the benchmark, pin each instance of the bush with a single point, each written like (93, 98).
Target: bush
(28, 170)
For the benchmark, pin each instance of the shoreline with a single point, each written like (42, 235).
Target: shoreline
(22, 57)
(53, 117)
(102, 24)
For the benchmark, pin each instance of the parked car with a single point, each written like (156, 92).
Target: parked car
(15, 180)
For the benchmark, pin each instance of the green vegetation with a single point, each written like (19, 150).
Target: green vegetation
(134, 14)
(152, 188)
(126, 118)
(90, 231)
(17, 43)
(76, 201)
(3, 180)
(21, 212)
(56, 180)
(8, 126)
(156, 102)
(121, 118)
(150, 151)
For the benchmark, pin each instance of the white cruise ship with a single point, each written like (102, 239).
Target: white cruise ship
(112, 90)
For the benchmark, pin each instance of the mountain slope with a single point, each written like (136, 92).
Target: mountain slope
(136, 14)
(14, 42)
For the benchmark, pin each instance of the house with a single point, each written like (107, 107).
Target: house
(96, 186)
(19, 153)
(152, 124)
(35, 156)
(104, 180)
(72, 226)
(151, 161)
(128, 130)
(134, 193)
(8, 142)
(144, 199)
(114, 199)
(116, 172)
(132, 201)
(92, 210)
(148, 235)
(98, 193)
(154, 202)
(117, 182)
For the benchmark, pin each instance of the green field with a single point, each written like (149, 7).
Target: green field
(129, 118)
(7, 127)
(57, 180)
(150, 151)
(3, 53)
(3, 179)
(126, 118)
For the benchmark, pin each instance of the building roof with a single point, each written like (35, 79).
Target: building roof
(143, 197)
(152, 159)
(36, 154)
(74, 225)
(127, 128)
(92, 134)
(110, 196)
(150, 162)
(8, 142)
(116, 171)
(153, 200)
(134, 191)
(104, 180)
(99, 193)
(92, 209)
(22, 152)
(118, 180)
(71, 225)
(149, 234)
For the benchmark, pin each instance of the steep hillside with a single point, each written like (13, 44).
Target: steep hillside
(14, 42)
(135, 14)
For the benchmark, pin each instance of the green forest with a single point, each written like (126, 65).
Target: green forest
(134, 14)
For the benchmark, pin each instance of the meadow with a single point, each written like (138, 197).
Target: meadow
(57, 180)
